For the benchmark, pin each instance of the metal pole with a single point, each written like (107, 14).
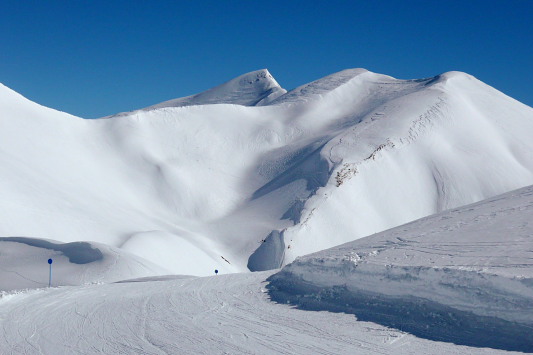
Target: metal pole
(50, 275)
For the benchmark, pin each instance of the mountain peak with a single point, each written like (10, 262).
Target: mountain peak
(258, 76)
(251, 89)
(322, 86)
(450, 75)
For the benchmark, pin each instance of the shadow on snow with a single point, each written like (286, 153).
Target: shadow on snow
(76, 252)
(419, 317)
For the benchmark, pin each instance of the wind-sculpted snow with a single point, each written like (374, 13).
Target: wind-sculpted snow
(463, 275)
(246, 176)
(23, 263)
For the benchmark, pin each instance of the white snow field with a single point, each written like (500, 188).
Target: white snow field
(249, 176)
(459, 282)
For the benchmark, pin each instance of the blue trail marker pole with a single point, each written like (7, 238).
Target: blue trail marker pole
(50, 275)
(216, 272)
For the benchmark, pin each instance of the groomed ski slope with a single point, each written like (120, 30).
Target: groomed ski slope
(459, 282)
(247, 177)
(226, 314)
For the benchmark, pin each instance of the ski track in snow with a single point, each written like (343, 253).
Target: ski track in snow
(225, 314)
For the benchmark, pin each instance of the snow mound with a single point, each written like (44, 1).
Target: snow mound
(23, 263)
(471, 265)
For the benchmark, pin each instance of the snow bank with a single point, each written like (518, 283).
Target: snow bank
(23, 263)
(471, 265)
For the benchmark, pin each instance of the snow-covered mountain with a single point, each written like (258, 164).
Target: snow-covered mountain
(248, 176)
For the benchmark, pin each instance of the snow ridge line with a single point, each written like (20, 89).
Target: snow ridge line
(417, 129)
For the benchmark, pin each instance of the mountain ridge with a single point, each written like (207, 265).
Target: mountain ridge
(189, 187)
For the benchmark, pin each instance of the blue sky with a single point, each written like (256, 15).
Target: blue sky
(95, 58)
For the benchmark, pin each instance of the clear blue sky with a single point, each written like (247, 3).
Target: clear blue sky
(93, 58)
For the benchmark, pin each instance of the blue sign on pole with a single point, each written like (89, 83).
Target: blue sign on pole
(50, 275)
(216, 271)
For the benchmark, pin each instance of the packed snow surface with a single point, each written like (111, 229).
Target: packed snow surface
(225, 314)
(248, 176)
(471, 265)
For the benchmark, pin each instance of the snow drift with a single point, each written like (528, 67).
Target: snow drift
(248, 176)
(463, 275)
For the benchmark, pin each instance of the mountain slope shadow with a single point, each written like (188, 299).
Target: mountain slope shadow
(419, 317)
(304, 164)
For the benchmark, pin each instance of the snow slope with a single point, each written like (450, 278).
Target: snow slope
(468, 269)
(226, 314)
(421, 147)
(23, 263)
(245, 176)
(458, 282)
